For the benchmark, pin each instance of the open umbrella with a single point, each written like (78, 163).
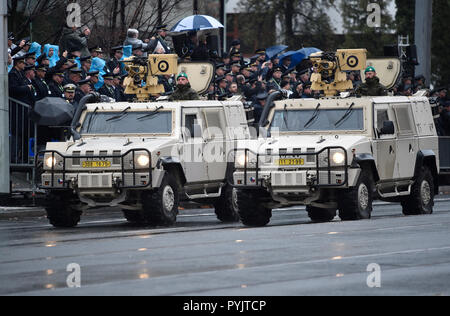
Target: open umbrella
(52, 112)
(196, 23)
(275, 50)
(298, 56)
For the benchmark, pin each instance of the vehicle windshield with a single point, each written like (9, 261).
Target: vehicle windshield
(127, 123)
(318, 120)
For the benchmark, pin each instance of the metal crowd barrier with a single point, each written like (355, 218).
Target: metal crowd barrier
(23, 136)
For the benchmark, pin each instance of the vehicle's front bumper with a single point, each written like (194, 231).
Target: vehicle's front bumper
(122, 175)
(317, 172)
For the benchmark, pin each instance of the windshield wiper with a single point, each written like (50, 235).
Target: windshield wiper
(346, 115)
(315, 115)
(122, 114)
(90, 120)
(152, 113)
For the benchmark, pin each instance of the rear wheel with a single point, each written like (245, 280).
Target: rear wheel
(321, 215)
(357, 203)
(421, 200)
(251, 209)
(160, 207)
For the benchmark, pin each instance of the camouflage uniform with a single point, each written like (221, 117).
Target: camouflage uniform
(372, 87)
(184, 92)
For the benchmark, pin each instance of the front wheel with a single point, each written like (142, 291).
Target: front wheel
(160, 207)
(251, 210)
(63, 211)
(357, 203)
(421, 200)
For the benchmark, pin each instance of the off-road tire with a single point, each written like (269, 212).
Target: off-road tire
(226, 207)
(251, 210)
(160, 207)
(421, 200)
(63, 211)
(321, 215)
(357, 203)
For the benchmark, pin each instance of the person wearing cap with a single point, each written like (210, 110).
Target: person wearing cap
(137, 50)
(40, 84)
(119, 91)
(19, 87)
(69, 93)
(74, 76)
(183, 90)
(304, 76)
(235, 69)
(86, 63)
(372, 86)
(11, 44)
(235, 45)
(162, 47)
(274, 84)
(83, 89)
(222, 86)
(108, 88)
(259, 104)
(22, 49)
(94, 78)
(56, 88)
(30, 58)
(114, 63)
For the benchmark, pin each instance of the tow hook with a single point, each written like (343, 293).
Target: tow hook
(117, 182)
(311, 179)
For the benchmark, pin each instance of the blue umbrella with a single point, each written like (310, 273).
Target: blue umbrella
(298, 56)
(196, 23)
(275, 50)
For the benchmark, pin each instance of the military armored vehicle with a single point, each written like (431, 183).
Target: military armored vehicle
(336, 155)
(144, 157)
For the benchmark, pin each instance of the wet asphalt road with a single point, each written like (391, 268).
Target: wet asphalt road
(201, 256)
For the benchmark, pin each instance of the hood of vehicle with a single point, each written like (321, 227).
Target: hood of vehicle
(307, 143)
(109, 145)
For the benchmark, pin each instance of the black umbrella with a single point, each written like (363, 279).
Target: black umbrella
(52, 112)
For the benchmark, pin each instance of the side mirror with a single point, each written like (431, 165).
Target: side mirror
(388, 128)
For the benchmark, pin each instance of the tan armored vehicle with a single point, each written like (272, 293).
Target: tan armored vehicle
(144, 157)
(339, 154)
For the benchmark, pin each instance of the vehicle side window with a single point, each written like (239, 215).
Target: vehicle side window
(192, 126)
(215, 121)
(382, 116)
(403, 114)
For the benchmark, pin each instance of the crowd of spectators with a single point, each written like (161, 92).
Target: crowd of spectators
(73, 69)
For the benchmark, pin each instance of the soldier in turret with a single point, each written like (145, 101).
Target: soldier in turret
(372, 86)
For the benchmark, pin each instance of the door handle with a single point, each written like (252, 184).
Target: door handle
(411, 148)
(391, 150)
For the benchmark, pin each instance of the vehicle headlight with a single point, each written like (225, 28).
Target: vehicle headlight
(338, 158)
(143, 160)
(241, 160)
(50, 162)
